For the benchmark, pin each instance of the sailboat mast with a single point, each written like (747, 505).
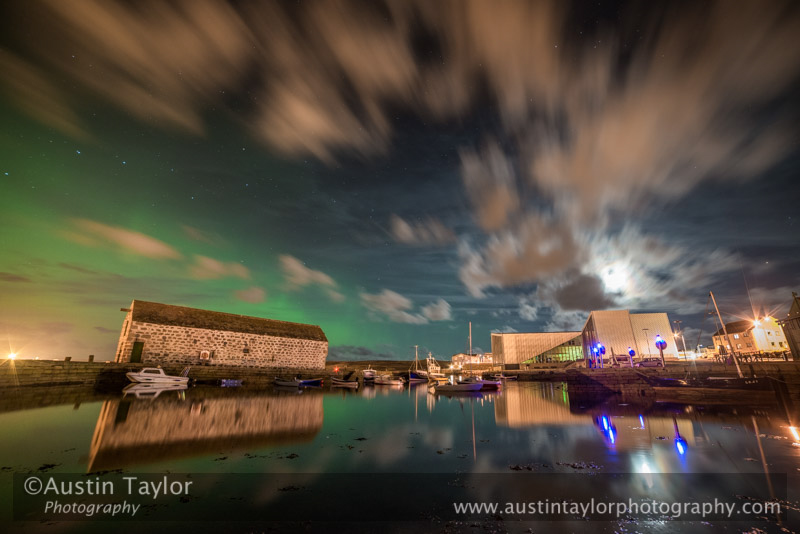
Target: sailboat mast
(470, 339)
(725, 331)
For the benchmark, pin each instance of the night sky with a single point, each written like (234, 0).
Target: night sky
(394, 171)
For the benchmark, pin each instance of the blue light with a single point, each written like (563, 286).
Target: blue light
(641, 421)
(612, 436)
(605, 422)
(680, 444)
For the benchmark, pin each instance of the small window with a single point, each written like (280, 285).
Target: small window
(773, 343)
(746, 334)
(735, 336)
(738, 345)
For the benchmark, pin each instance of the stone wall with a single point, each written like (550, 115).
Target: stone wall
(176, 345)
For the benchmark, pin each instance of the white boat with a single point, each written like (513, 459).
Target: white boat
(485, 384)
(369, 373)
(156, 375)
(151, 390)
(389, 380)
(297, 382)
(457, 387)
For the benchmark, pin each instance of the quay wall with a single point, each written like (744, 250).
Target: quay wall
(25, 373)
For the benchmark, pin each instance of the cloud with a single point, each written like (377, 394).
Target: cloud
(393, 306)
(437, 311)
(490, 181)
(205, 268)
(296, 276)
(399, 309)
(104, 330)
(94, 233)
(504, 330)
(428, 232)
(355, 353)
(11, 277)
(533, 248)
(577, 291)
(251, 294)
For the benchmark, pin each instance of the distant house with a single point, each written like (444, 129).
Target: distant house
(162, 334)
(751, 337)
(461, 359)
(791, 327)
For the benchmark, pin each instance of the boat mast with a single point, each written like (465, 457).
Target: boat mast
(725, 331)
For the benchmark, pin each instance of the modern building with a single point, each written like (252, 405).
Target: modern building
(536, 347)
(791, 327)
(162, 334)
(751, 337)
(619, 331)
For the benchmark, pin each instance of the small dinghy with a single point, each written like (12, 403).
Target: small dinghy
(458, 387)
(486, 384)
(298, 383)
(389, 380)
(346, 381)
(156, 375)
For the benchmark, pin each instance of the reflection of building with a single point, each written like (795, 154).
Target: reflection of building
(163, 334)
(132, 431)
(619, 330)
(520, 407)
(791, 327)
(460, 360)
(761, 335)
(537, 347)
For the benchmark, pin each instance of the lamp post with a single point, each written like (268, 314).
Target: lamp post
(661, 345)
(601, 350)
(631, 353)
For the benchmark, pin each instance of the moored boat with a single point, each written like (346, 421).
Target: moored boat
(298, 383)
(458, 386)
(389, 380)
(346, 381)
(156, 375)
(369, 373)
(712, 390)
(486, 384)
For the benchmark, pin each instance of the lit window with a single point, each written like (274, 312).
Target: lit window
(735, 336)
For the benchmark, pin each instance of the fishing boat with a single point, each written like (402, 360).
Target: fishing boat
(389, 380)
(417, 375)
(346, 381)
(369, 373)
(156, 375)
(298, 383)
(434, 369)
(457, 387)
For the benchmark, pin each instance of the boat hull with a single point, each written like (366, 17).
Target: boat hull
(164, 379)
(339, 383)
(451, 388)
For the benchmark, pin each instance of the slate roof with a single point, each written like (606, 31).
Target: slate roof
(735, 327)
(167, 314)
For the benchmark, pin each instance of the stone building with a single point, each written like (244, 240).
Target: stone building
(162, 334)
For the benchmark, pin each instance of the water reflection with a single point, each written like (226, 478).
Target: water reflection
(179, 424)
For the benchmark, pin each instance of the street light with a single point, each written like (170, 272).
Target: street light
(661, 345)
(679, 333)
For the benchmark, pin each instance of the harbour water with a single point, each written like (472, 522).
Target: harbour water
(524, 430)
